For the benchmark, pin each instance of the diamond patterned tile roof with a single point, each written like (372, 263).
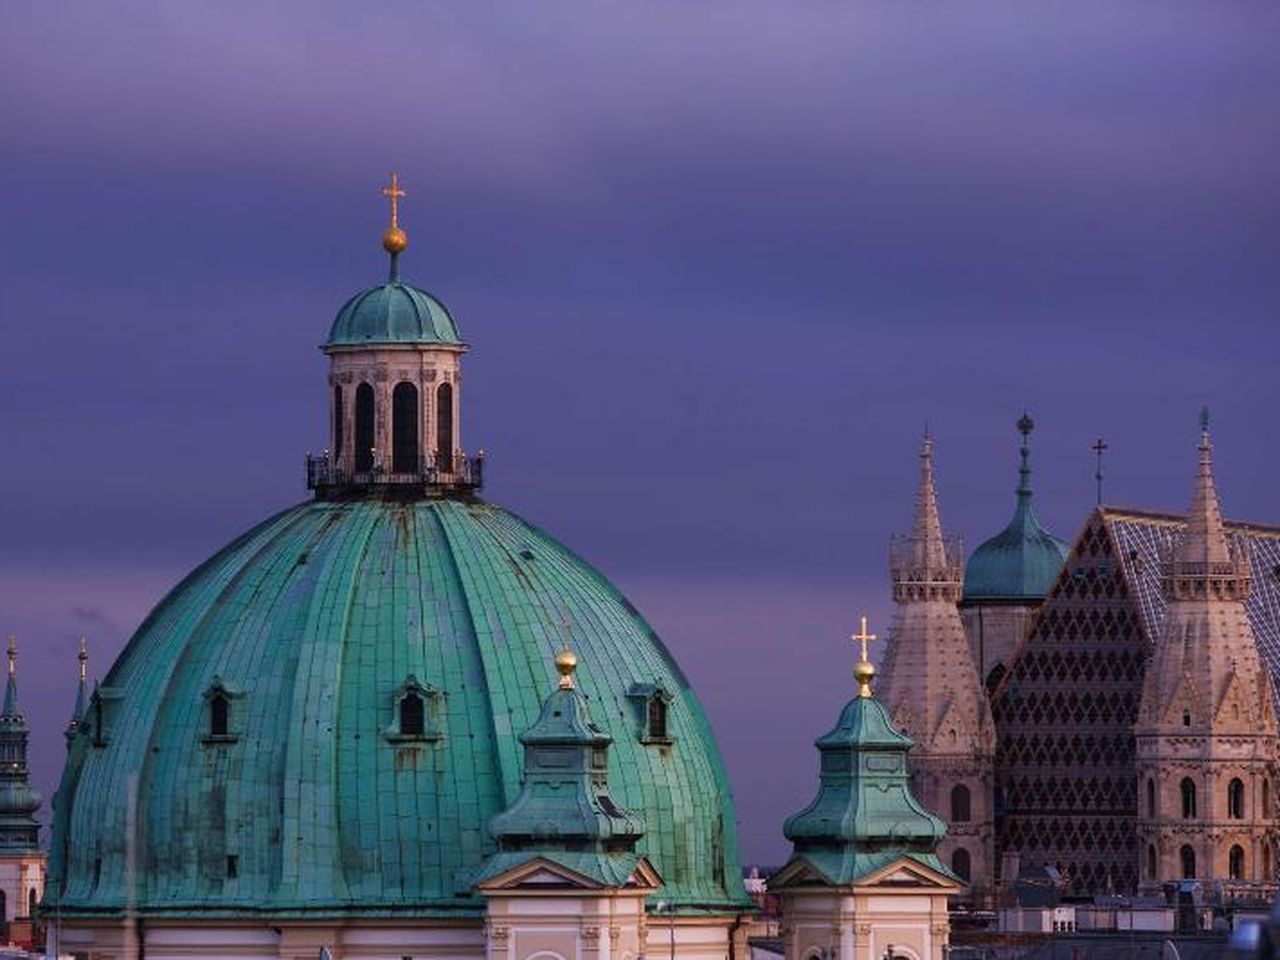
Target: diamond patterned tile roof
(311, 625)
(1146, 540)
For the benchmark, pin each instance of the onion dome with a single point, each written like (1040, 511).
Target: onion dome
(322, 721)
(1020, 563)
(865, 815)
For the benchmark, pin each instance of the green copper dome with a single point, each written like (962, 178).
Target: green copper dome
(393, 312)
(1021, 562)
(260, 714)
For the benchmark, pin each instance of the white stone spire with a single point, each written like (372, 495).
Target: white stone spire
(927, 532)
(1206, 734)
(930, 685)
(1205, 540)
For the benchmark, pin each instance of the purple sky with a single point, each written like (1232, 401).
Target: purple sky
(719, 264)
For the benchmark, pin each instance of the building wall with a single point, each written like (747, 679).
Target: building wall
(858, 924)
(995, 632)
(523, 934)
(1065, 784)
(933, 781)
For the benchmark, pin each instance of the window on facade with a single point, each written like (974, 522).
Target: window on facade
(444, 427)
(657, 718)
(995, 676)
(961, 865)
(233, 866)
(404, 428)
(959, 803)
(1188, 799)
(32, 903)
(1186, 718)
(1266, 863)
(338, 412)
(413, 715)
(1151, 861)
(1151, 797)
(1235, 799)
(1235, 862)
(1266, 799)
(364, 428)
(219, 710)
(1188, 858)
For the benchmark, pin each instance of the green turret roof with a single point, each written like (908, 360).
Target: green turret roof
(564, 812)
(1021, 562)
(393, 313)
(312, 626)
(865, 814)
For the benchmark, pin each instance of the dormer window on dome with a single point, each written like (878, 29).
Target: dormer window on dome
(219, 714)
(395, 379)
(653, 704)
(414, 718)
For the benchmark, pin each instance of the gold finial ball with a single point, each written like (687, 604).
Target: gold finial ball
(394, 240)
(863, 672)
(566, 663)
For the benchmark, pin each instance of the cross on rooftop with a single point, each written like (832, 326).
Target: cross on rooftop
(862, 636)
(394, 193)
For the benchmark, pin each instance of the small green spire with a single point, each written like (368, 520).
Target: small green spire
(11, 685)
(81, 704)
(1025, 426)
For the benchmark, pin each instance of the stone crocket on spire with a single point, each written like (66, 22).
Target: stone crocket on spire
(18, 802)
(1207, 712)
(932, 689)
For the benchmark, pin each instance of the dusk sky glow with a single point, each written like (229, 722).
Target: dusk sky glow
(718, 266)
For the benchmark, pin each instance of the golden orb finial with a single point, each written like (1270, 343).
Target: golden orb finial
(863, 670)
(394, 240)
(566, 663)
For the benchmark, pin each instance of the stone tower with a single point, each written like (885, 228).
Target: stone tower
(1206, 735)
(933, 692)
(1007, 578)
(22, 863)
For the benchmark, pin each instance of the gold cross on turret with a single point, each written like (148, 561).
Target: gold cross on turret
(394, 193)
(863, 671)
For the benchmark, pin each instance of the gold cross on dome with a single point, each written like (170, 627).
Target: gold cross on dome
(862, 636)
(394, 193)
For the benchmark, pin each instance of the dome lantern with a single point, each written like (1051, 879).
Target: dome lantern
(395, 380)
